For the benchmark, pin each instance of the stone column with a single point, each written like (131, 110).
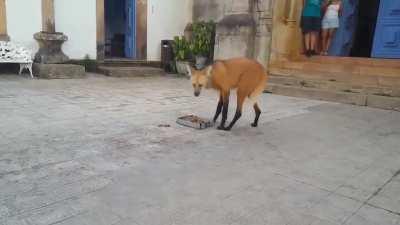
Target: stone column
(49, 40)
(100, 27)
(287, 40)
(48, 21)
(291, 14)
(235, 32)
(3, 22)
(263, 17)
(50, 59)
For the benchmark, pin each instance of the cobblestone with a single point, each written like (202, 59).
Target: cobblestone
(90, 151)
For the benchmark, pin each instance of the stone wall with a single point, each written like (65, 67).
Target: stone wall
(243, 26)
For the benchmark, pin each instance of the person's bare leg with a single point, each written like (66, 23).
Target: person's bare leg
(324, 41)
(314, 39)
(331, 33)
(307, 41)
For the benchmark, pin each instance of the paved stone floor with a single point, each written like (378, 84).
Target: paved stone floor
(91, 152)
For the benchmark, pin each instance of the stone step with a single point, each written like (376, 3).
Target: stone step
(392, 63)
(130, 71)
(58, 71)
(361, 99)
(333, 85)
(341, 67)
(129, 63)
(336, 75)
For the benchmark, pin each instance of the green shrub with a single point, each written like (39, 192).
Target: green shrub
(89, 64)
(202, 40)
(181, 48)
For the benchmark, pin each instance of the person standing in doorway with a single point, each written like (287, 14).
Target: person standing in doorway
(330, 23)
(311, 25)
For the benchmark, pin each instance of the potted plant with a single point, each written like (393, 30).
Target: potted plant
(202, 42)
(181, 50)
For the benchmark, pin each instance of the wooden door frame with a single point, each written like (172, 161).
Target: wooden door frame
(100, 30)
(141, 29)
(3, 21)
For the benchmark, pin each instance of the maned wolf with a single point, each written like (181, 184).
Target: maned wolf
(248, 76)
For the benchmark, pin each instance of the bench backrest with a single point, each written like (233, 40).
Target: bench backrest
(11, 52)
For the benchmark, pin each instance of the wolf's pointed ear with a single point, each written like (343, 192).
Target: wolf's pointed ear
(189, 71)
(209, 70)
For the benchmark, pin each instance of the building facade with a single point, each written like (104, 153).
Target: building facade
(364, 63)
(363, 66)
(244, 27)
(99, 28)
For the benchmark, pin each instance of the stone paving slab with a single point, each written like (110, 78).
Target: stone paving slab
(90, 151)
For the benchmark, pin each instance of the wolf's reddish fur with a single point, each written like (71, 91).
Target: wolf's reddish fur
(248, 76)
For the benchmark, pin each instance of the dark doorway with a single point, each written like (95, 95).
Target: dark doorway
(365, 32)
(119, 28)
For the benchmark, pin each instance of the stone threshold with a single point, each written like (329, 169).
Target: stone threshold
(123, 62)
(360, 99)
(133, 71)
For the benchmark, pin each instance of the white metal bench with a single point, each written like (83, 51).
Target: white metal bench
(13, 53)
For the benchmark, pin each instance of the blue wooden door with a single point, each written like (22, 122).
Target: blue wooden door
(130, 29)
(387, 33)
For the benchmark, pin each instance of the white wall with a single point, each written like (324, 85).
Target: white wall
(77, 19)
(166, 19)
(24, 20)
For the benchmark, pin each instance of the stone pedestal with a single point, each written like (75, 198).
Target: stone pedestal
(50, 59)
(58, 71)
(4, 37)
(235, 36)
(50, 48)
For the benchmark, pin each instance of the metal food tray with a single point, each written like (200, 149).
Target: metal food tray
(195, 122)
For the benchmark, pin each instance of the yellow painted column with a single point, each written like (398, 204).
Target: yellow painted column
(286, 34)
(291, 13)
(100, 25)
(48, 20)
(3, 21)
(293, 23)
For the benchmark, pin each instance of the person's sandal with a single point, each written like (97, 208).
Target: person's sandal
(308, 53)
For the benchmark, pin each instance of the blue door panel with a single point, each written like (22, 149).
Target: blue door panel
(387, 33)
(130, 29)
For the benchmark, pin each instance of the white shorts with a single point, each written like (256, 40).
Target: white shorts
(330, 23)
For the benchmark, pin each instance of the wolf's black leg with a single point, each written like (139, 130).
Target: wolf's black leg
(258, 113)
(238, 114)
(219, 109)
(240, 101)
(225, 107)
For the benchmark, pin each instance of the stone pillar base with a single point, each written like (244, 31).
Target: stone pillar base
(235, 36)
(50, 47)
(58, 71)
(4, 37)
